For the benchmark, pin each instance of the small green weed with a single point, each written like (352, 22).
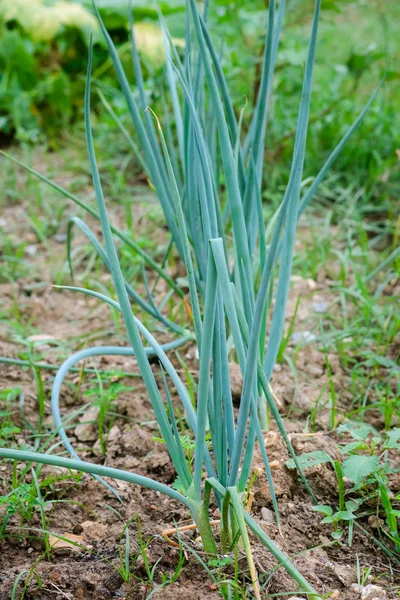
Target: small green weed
(367, 467)
(104, 397)
(29, 497)
(8, 428)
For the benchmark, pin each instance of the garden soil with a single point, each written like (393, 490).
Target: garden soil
(81, 510)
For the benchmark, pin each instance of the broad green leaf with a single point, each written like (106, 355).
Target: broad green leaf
(359, 431)
(393, 438)
(356, 468)
(383, 361)
(352, 505)
(352, 446)
(344, 515)
(115, 12)
(324, 509)
(329, 519)
(310, 459)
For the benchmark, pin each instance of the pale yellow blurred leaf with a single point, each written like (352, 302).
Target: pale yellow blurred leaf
(150, 43)
(43, 21)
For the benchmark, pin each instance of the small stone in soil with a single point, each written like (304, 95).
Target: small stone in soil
(31, 249)
(320, 307)
(267, 515)
(369, 592)
(60, 238)
(375, 522)
(274, 465)
(87, 432)
(315, 370)
(94, 531)
(303, 336)
(271, 439)
(40, 337)
(345, 573)
(188, 534)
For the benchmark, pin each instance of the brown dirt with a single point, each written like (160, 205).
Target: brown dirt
(86, 510)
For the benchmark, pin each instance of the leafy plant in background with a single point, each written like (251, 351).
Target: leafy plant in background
(367, 467)
(43, 48)
(209, 185)
(37, 41)
(339, 84)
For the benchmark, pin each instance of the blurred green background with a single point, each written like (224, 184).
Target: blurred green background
(43, 53)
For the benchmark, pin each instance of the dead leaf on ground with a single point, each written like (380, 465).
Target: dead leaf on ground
(67, 541)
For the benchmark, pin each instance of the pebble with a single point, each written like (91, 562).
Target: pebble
(114, 434)
(94, 531)
(188, 534)
(315, 370)
(303, 401)
(271, 440)
(274, 465)
(303, 336)
(369, 592)
(40, 338)
(345, 573)
(31, 250)
(267, 515)
(375, 522)
(320, 307)
(325, 541)
(60, 238)
(87, 432)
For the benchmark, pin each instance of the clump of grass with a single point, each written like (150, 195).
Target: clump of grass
(230, 256)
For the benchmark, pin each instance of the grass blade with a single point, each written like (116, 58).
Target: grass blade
(94, 214)
(332, 157)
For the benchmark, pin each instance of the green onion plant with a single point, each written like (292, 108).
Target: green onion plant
(208, 177)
